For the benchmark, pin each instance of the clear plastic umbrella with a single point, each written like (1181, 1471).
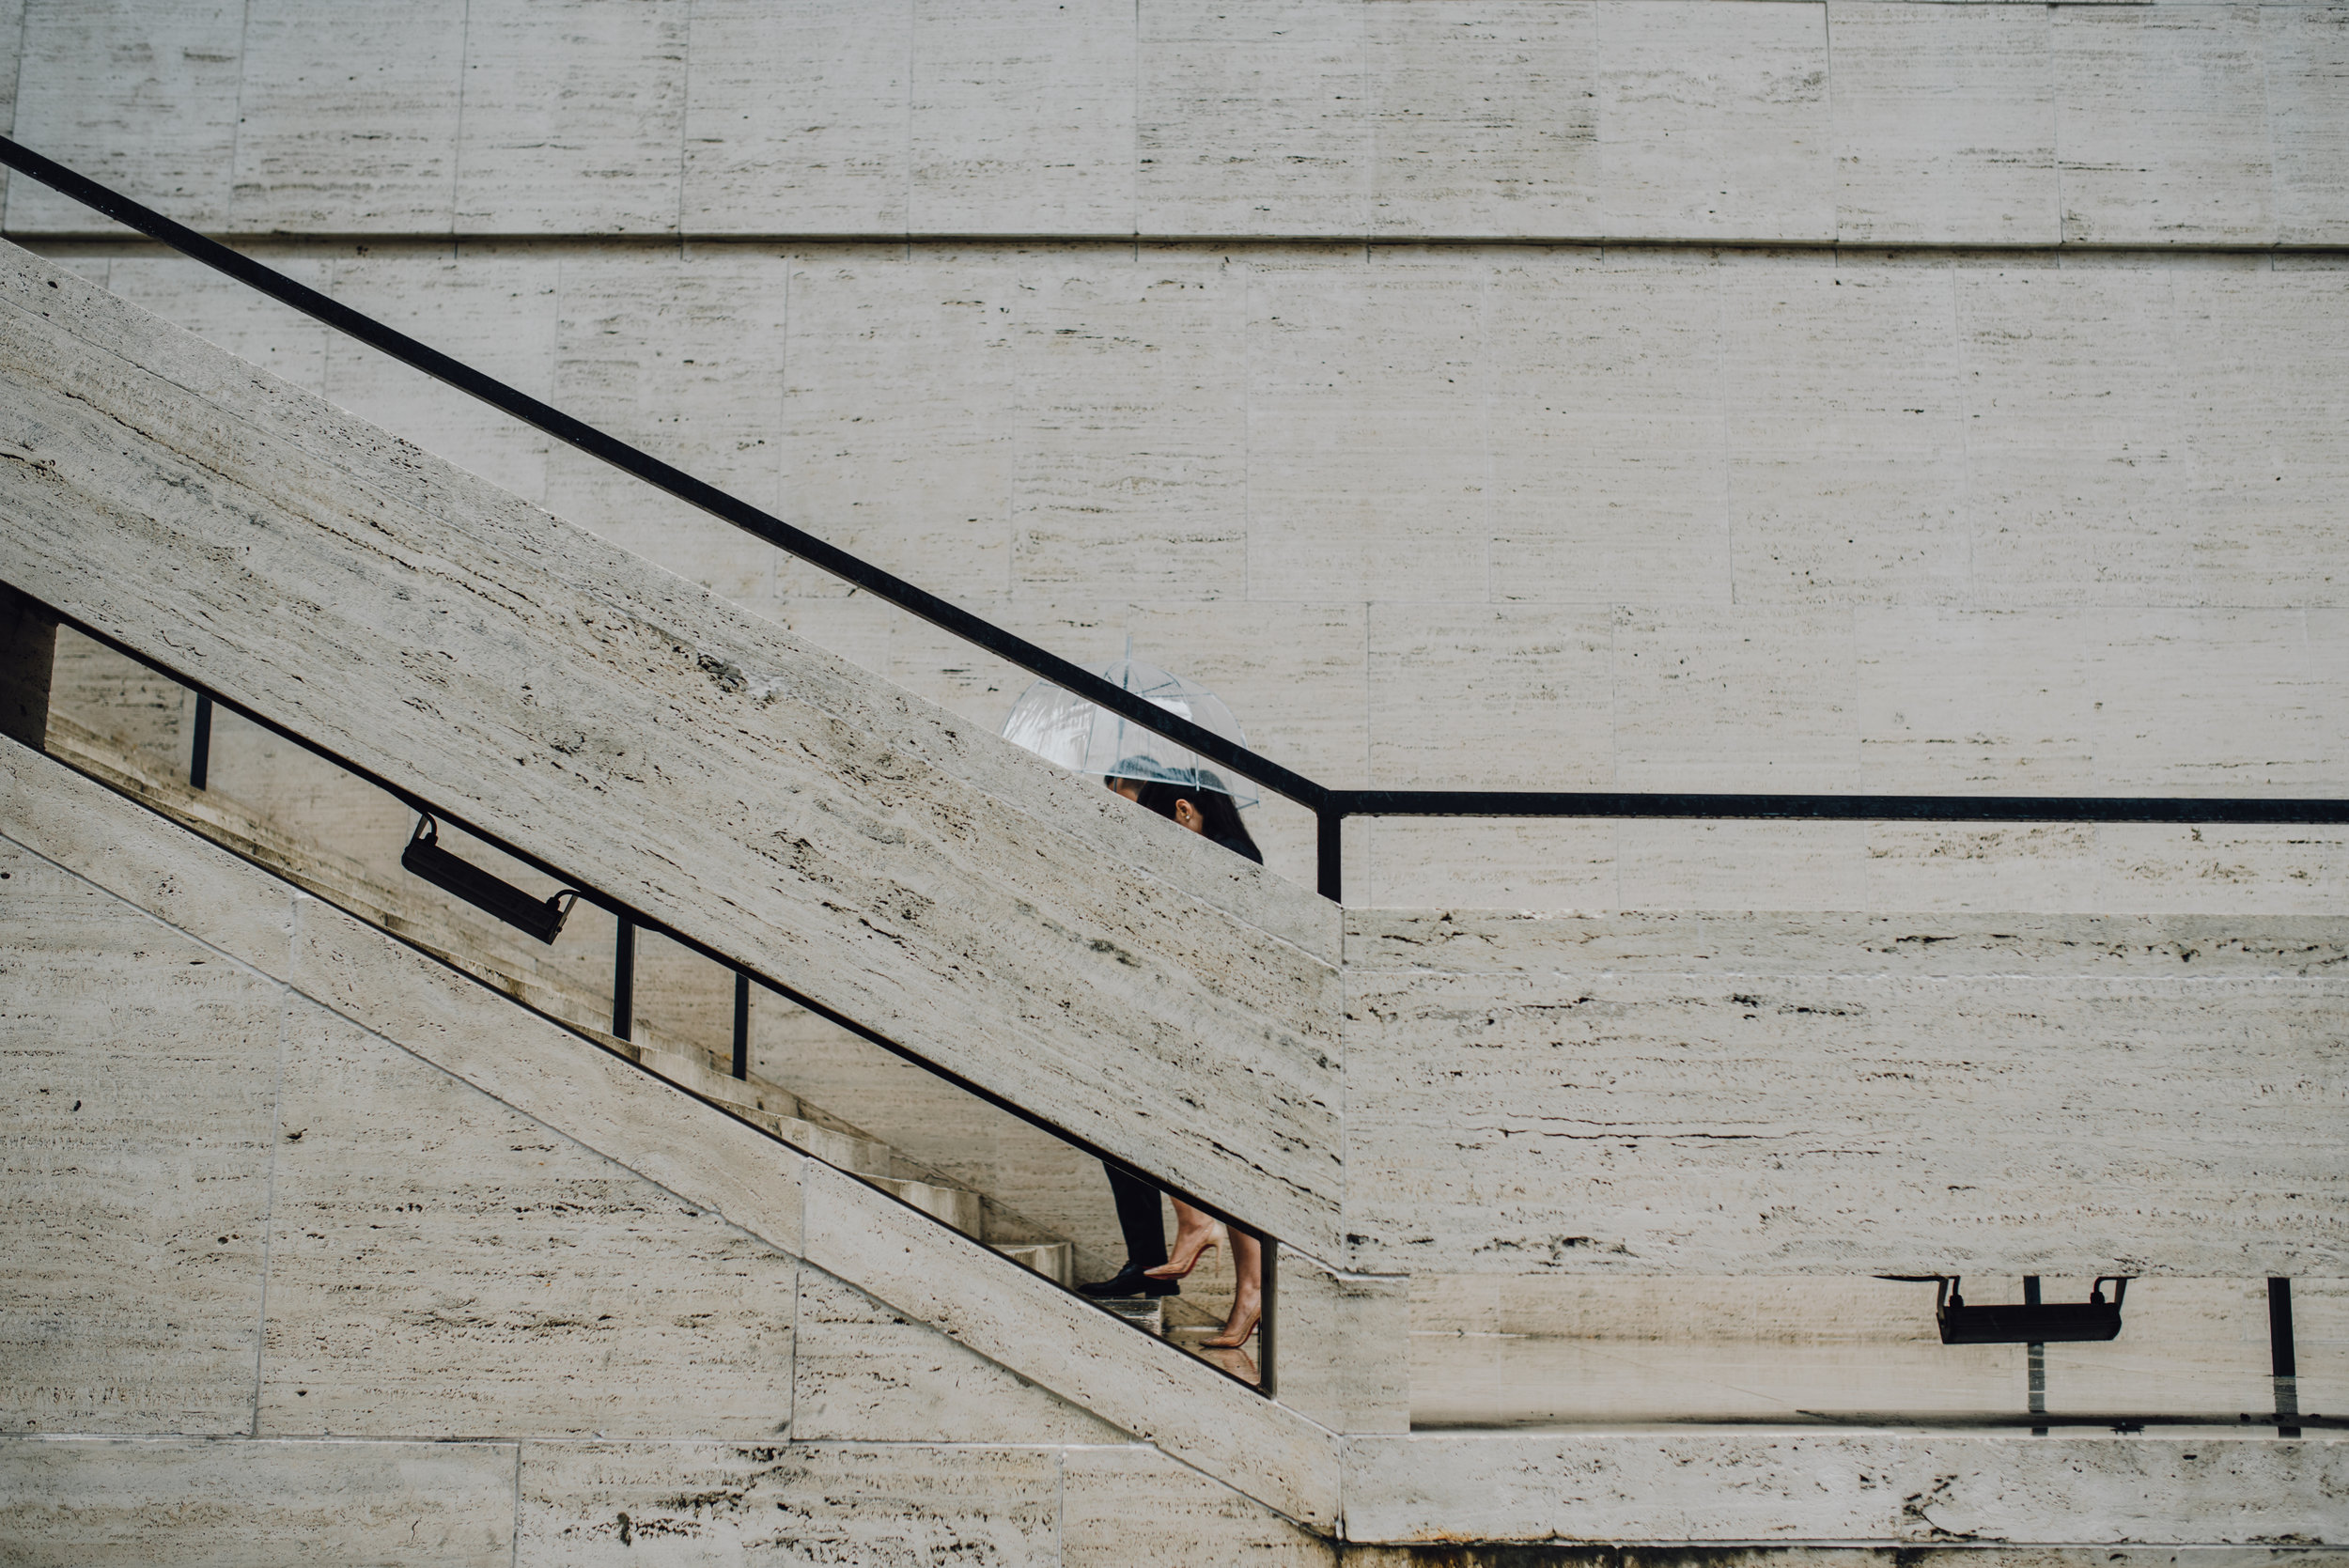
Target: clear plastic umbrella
(1088, 739)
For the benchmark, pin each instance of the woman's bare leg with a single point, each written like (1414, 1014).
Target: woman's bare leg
(1195, 1231)
(1247, 1292)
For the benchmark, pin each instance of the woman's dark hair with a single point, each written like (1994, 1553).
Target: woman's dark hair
(1222, 818)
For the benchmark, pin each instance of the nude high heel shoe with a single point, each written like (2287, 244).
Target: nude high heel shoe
(1183, 1262)
(1238, 1329)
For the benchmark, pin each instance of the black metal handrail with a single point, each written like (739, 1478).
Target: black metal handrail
(1329, 805)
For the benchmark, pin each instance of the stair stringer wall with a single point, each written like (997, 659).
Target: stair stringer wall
(447, 1218)
(1013, 924)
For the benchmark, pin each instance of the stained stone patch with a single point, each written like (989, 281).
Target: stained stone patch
(139, 1082)
(443, 1265)
(914, 1504)
(208, 1504)
(867, 1372)
(1133, 1504)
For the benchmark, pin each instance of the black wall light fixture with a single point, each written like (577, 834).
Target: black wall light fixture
(542, 918)
(2027, 1322)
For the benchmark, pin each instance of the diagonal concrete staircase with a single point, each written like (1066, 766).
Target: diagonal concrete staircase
(774, 805)
(803, 819)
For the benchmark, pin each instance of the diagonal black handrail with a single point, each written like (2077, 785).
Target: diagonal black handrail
(578, 433)
(1330, 806)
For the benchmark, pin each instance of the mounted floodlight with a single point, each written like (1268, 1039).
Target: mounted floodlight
(2027, 1322)
(542, 918)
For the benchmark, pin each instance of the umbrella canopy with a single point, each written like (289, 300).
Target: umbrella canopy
(1086, 739)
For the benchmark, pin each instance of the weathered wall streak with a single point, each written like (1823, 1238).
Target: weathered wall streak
(249, 1504)
(1913, 1490)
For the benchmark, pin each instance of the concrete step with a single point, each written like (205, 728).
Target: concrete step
(1055, 1259)
(779, 1112)
(1146, 1313)
(957, 1208)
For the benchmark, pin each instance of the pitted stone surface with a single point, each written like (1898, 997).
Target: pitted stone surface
(1855, 122)
(420, 1283)
(595, 1503)
(1878, 1487)
(141, 1073)
(867, 1373)
(211, 1504)
(158, 114)
(1791, 1095)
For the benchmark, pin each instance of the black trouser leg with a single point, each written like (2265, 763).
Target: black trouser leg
(1140, 1215)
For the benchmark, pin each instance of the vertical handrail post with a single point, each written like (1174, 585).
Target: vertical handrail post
(624, 979)
(200, 743)
(2283, 1359)
(741, 1024)
(1268, 1318)
(2035, 1361)
(28, 666)
(1330, 843)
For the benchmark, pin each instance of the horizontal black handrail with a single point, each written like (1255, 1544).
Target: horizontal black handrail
(1836, 808)
(1330, 806)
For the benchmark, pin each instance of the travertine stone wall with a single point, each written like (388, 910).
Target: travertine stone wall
(1505, 517)
(1849, 122)
(517, 1215)
(1743, 1095)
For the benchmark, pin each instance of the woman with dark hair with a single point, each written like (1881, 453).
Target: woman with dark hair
(1205, 808)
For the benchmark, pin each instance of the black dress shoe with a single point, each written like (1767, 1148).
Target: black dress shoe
(1131, 1282)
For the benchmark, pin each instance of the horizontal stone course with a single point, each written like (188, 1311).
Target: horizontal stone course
(247, 1504)
(595, 1503)
(1787, 1094)
(1895, 1488)
(1650, 120)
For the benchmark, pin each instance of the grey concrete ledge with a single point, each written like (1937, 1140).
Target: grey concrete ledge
(1878, 1489)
